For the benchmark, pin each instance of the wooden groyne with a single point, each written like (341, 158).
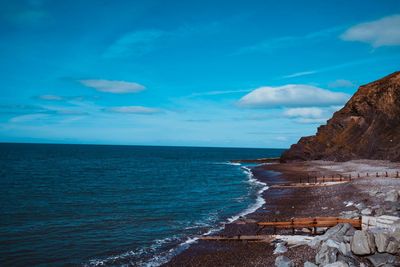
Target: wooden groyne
(311, 223)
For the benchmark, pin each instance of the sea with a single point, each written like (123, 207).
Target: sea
(105, 205)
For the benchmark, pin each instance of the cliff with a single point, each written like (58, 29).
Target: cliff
(367, 127)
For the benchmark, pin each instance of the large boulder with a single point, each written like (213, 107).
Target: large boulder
(363, 243)
(336, 233)
(383, 259)
(386, 243)
(326, 255)
(392, 196)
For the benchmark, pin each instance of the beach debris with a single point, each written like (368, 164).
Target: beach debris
(283, 261)
(363, 243)
(309, 264)
(348, 203)
(280, 248)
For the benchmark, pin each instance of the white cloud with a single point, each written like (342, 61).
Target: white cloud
(381, 32)
(115, 87)
(134, 110)
(292, 95)
(311, 112)
(341, 83)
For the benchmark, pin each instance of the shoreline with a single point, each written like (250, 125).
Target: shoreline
(282, 203)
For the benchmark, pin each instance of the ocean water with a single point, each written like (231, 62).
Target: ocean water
(89, 205)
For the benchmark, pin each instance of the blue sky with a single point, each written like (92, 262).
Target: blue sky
(192, 73)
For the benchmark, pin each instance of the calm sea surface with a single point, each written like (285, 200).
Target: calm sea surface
(116, 205)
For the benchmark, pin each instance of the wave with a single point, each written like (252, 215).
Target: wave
(160, 258)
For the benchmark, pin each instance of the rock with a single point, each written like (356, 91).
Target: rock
(393, 247)
(326, 255)
(367, 127)
(392, 196)
(332, 243)
(337, 264)
(379, 211)
(345, 249)
(361, 205)
(280, 248)
(309, 264)
(381, 241)
(380, 259)
(363, 243)
(337, 233)
(350, 214)
(366, 211)
(282, 261)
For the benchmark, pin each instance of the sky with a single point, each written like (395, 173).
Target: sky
(187, 73)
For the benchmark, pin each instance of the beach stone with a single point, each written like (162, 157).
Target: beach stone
(345, 249)
(350, 214)
(337, 264)
(361, 205)
(280, 248)
(392, 196)
(326, 255)
(382, 259)
(309, 264)
(379, 211)
(283, 261)
(363, 243)
(332, 243)
(366, 211)
(381, 241)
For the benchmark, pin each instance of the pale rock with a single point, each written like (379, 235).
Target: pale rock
(337, 264)
(326, 255)
(363, 243)
(345, 249)
(309, 264)
(392, 196)
(366, 211)
(283, 261)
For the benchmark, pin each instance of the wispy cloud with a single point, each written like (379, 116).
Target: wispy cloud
(271, 44)
(341, 84)
(211, 93)
(133, 110)
(28, 117)
(115, 87)
(292, 95)
(134, 43)
(51, 97)
(381, 32)
(299, 74)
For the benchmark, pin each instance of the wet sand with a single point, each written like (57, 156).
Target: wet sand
(281, 204)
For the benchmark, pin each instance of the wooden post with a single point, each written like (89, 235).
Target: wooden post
(367, 174)
(332, 177)
(323, 179)
(397, 174)
(350, 177)
(308, 179)
(358, 175)
(340, 177)
(386, 174)
(315, 179)
(292, 226)
(275, 227)
(300, 179)
(377, 174)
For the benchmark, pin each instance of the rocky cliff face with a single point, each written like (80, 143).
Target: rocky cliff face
(367, 127)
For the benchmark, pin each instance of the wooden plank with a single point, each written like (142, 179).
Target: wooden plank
(311, 222)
